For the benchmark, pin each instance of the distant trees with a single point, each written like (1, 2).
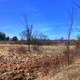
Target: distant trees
(2, 36)
(31, 38)
(7, 38)
(39, 36)
(15, 38)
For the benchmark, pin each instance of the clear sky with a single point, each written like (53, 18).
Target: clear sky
(51, 17)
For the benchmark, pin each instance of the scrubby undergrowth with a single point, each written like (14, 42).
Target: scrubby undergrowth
(16, 63)
(20, 67)
(72, 72)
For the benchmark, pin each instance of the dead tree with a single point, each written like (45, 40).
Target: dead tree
(27, 33)
(29, 36)
(69, 37)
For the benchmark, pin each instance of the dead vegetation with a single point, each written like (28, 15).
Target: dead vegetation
(72, 72)
(16, 63)
(22, 68)
(19, 64)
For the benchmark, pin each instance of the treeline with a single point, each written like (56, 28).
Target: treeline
(29, 37)
(3, 37)
(39, 39)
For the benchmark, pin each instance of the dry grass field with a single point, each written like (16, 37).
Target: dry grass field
(41, 63)
(71, 72)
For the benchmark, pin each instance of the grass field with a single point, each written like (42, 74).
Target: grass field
(17, 63)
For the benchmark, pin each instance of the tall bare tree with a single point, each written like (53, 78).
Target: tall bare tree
(27, 33)
(69, 37)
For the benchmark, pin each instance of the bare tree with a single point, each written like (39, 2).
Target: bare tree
(38, 40)
(69, 37)
(29, 36)
(27, 33)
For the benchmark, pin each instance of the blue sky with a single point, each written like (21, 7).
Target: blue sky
(51, 17)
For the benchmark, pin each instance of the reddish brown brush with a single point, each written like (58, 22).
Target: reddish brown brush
(28, 68)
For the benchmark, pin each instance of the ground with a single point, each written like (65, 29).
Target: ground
(71, 72)
(41, 63)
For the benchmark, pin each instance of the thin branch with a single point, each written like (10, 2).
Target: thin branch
(76, 4)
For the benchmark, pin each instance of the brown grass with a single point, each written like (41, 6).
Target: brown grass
(72, 72)
(17, 63)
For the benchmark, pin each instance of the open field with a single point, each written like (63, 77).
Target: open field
(50, 50)
(71, 72)
(41, 63)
